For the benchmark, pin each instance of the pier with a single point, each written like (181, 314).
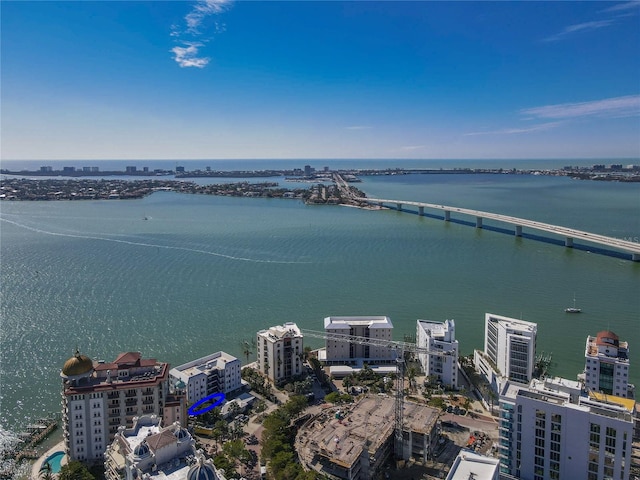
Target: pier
(566, 233)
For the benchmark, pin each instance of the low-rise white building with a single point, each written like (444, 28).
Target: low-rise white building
(553, 429)
(215, 373)
(469, 465)
(148, 452)
(440, 338)
(280, 352)
(340, 352)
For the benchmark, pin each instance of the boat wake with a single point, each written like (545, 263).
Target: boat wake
(149, 245)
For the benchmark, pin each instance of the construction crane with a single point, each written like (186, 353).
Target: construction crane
(400, 348)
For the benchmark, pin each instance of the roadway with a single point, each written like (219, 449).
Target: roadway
(570, 234)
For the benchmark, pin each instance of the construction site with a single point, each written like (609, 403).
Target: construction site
(355, 441)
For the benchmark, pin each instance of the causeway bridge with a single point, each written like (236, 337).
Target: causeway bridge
(569, 234)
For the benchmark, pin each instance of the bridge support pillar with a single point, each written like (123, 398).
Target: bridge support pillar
(635, 257)
(478, 222)
(447, 215)
(399, 205)
(518, 230)
(568, 242)
(421, 211)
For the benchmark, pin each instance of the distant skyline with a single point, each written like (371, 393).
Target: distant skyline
(219, 79)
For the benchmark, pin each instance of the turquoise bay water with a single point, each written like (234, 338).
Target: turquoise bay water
(204, 273)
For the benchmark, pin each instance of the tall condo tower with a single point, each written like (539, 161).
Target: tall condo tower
(280, 352)
(99, 397)
(553, 429)
(439, 337)
(606, 367)
(511, 345)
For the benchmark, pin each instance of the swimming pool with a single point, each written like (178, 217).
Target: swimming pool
(54, 460)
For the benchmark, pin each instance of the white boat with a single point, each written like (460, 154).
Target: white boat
(573, 309)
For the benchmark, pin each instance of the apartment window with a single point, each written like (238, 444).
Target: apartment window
(594, 437)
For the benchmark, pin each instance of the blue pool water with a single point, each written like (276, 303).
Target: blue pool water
(54, 460)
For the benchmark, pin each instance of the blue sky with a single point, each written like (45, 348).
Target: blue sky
(222, 80)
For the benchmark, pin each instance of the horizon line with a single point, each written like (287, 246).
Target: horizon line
(304, 159)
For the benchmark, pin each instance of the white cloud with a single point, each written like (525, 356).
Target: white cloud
(626, 106)
(188, 56)
(358, 127)
(203, 9)
(621, 7)
(586, 26)
(616, 107)
(512, 131)
(411, 148)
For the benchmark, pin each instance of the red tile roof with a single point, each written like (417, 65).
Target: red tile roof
(607, 337)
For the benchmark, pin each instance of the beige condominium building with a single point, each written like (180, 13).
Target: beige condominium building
(280, 352)
(99, 397)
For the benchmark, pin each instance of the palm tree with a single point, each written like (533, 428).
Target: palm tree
(492, 398)
(217, 436)
(411, 374)
(45, 472)
(261, 406)
(248, 347)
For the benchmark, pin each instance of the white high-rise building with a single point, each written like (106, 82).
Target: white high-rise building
(99, 397)
(552, 429)
(606, 366)
(218, 372)
(280, 352)
(509, 350)
(339, 352)
(439, 337)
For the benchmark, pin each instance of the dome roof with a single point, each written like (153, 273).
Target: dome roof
(607, 337)
(203, 470)
(77, 365)
(181, 385)
(141, 450)
(181, 434)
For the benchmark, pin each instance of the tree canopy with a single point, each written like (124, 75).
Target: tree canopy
(75, 471)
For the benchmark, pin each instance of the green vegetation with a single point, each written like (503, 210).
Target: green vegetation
(337, 397)
(300, 387)
(278, 437)
(366, 377)
(258, 383)
(437, 402)
(75, 471)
